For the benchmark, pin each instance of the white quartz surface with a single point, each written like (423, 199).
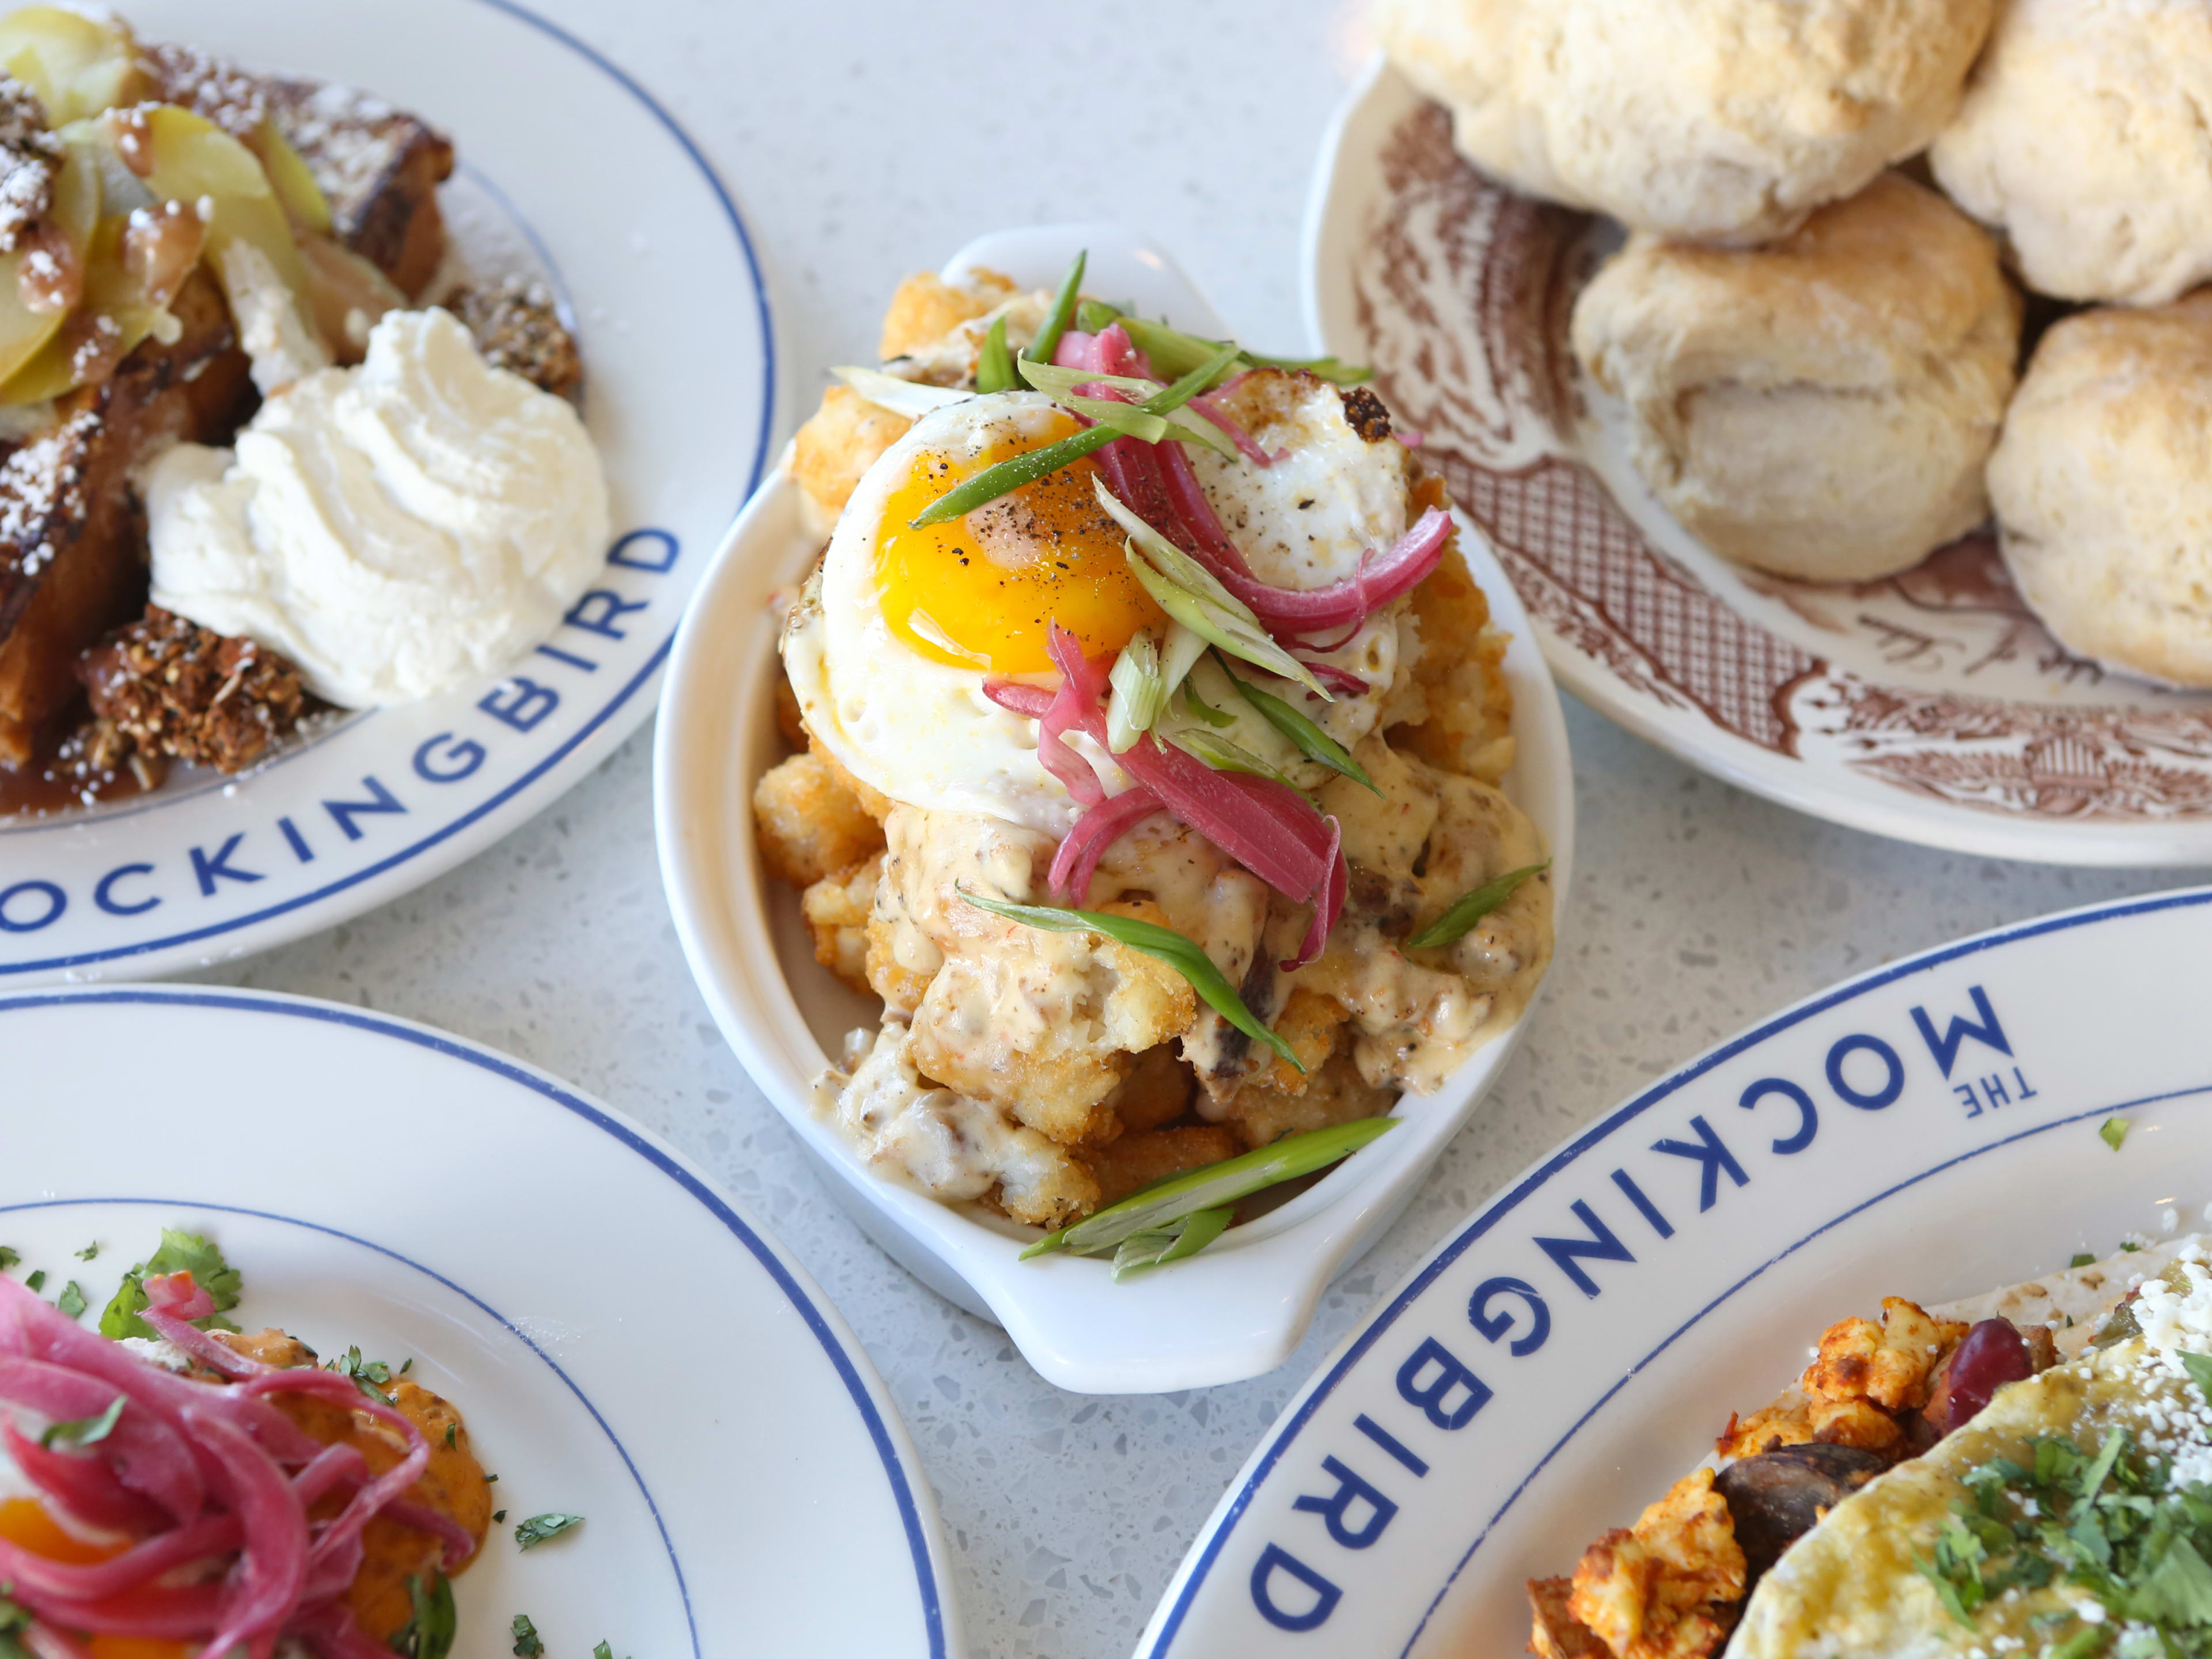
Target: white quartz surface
(863, 141)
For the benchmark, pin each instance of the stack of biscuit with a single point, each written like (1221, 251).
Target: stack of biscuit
(1813, 322)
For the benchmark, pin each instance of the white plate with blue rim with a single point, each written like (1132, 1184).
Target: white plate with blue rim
(624, 1343)
(567, 169)
(1929, 1130)
(1236, 1310)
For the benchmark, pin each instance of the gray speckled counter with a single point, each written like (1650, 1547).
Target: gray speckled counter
(866, 140)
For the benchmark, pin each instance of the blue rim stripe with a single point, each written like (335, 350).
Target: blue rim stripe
(1381, 1321)
(454, 1049)
(621, 78)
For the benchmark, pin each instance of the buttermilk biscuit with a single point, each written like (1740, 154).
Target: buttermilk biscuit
(1721, 120)
(2082, 138)
(2103, 499)
(1822, 408)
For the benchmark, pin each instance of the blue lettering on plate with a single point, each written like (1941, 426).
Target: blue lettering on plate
(658, 564)
(1337, 1509)
(520, 703)
(1434, 1395)
(103, 895)
(1389, 1442)
(343, 813)
(296, 841)
(1643, 1205)
(599, 610)
(1809, 1120)
(1892, 1083)
(1945, 1048)
(209, 870)
(1569, 1254)
(569, 657)
(441, 760)
(1493, 1325)
(1276, 1559)
(1711, 1156)
(15, 918)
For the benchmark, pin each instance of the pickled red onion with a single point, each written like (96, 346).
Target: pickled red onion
(205, 1470)
(1094, 830)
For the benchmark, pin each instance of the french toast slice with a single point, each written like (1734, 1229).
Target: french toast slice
(72, 534)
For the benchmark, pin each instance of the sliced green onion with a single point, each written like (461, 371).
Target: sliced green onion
(1184, 648)
(1173, 352)
(1214, 1186)
(1055, 381)
(912, 399)
(1140, 692)
(2113, 1131)
(1015, 471)
(1172, 1243)
(995, 364)
(1224, 755)
(1191, 593)
(1060, 383)
(1312, 742)
(1063, 308)
(1161, 944)
(1472, 909)
(1203, 709)
(1096, 316)
(1333, 369)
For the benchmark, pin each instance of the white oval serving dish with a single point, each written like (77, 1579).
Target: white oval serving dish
(1236, 1310)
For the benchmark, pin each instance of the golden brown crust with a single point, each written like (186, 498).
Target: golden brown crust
(1333, 1092)
(1668, 1587)
(926, 309)
(1122, 1166)
(838, 443)
(836, 909)
(1465, 723)
(809, 824)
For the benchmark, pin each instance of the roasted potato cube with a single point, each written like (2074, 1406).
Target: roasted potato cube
(1334, 1092)
(926, 309)
(809, 824)
(836, 908)
(838, 443)
(1124, 1165)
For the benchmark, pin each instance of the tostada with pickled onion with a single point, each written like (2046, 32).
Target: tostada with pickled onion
(172, 1487)
(2028, 1473)
(1149, 733)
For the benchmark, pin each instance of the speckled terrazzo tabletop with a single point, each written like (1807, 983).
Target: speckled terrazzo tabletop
(871, 138)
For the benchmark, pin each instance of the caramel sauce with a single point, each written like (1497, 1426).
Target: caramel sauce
(159, 247)
(50, 781)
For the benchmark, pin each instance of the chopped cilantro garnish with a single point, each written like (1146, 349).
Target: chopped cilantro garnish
(498, 1515)
(603, 1652)
(2112, 1524)
(2112, 1131)
(72, 1300)
(2199, 1367)
(2081, 1259)
(13, 1619)
(90, 1252)
(539, 1528)
(179, 1253)
(452, 1430)
(37, 1281)
(9, 1258)
(526, 1644)
(429, 1633)
(83, 1430)
(369, 1375)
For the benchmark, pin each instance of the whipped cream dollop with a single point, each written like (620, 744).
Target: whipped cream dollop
(413, 526)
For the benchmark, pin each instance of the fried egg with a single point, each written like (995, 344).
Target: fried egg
(895, 635)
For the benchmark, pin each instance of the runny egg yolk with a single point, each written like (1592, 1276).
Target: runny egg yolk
(25, 1524)
(982, 591)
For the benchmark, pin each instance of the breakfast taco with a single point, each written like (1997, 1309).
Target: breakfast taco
(2028, 1471)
